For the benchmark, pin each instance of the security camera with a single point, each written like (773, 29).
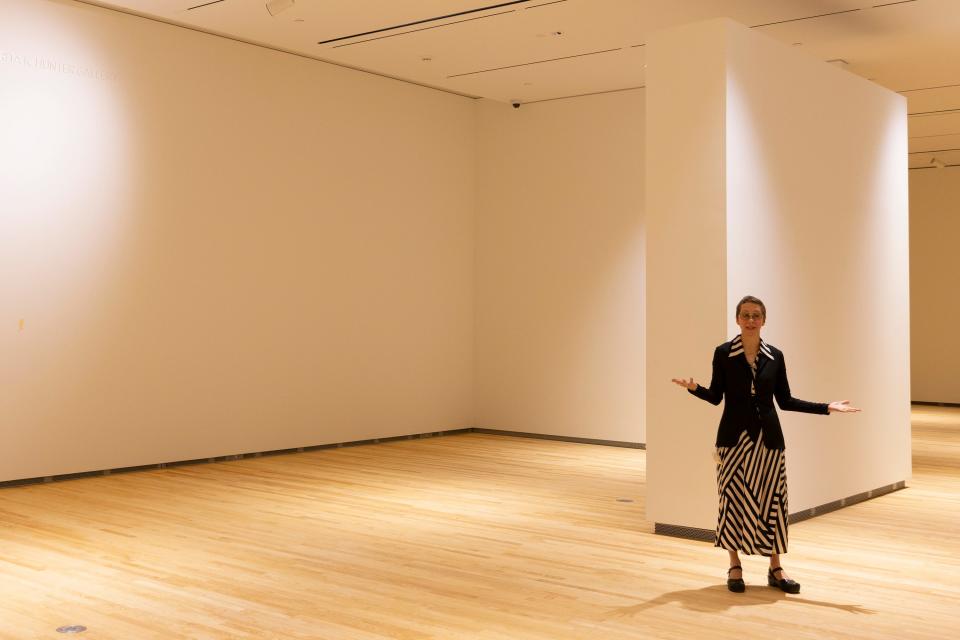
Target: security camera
(515, 103)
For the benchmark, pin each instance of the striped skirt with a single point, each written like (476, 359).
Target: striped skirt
(752, 484)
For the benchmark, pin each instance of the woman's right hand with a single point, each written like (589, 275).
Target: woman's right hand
(690, 385)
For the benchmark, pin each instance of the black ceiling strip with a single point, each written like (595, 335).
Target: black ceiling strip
(822, 15)
(403, 33)
(933, 113)
(932, 151)
(931, 167)
(935, 135)
(890, 4)
(416, 22)
(582, 95)
(205, 4)
(545, 4)
(942, 86)
(527, 64)
(634, 46)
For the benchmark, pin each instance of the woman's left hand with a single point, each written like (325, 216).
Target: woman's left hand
(842, 406)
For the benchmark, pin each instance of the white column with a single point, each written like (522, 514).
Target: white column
(774, 174)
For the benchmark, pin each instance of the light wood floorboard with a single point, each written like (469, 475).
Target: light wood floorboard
(472, 536)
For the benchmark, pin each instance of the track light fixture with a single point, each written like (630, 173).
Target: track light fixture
(279, 6)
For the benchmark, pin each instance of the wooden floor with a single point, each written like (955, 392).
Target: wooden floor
(467, 536)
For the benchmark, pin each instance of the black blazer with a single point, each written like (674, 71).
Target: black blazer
(732, 377)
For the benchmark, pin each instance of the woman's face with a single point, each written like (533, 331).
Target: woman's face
(750, 318)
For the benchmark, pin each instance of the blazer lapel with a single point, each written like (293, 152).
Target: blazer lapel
(763, 356)
(736, 346)
(736, 351)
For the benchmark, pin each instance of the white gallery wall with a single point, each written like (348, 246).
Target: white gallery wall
(560, 267)
(800, 198)
(934, 269)
(210, 248)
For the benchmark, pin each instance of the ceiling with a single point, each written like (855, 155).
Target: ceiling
(538, 50)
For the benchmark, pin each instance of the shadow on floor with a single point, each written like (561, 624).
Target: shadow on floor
(717, 598)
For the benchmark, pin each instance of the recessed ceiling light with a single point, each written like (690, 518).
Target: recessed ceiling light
(279, 6)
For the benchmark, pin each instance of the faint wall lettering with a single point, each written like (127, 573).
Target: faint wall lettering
(41, 63)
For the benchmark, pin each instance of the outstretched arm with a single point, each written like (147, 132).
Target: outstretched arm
(788, 403)
(713, 394)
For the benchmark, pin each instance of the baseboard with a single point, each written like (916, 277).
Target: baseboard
(806, 514)
(709, 535)
(226, 458)
(335, 445)
(680, 531)
(544, 436)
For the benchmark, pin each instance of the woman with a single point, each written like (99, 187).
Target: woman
(751, 473)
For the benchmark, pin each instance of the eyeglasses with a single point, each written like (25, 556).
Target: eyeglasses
(751, 316)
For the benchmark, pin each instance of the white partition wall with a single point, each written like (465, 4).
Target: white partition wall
(775, 175)
(686, 266)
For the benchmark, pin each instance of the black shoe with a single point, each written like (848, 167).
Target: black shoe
(787, 586)
(737, 585)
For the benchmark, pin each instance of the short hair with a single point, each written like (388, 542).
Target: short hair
(753, 300)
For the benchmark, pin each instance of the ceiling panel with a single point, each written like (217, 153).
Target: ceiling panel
(933, 99)
(936, 124)
(532, 50)
(936, 142)
(528, 34)
(609, 71)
